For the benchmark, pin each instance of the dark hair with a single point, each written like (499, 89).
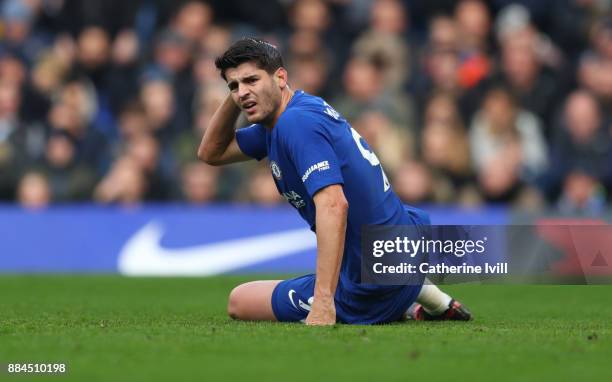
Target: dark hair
(262, 53)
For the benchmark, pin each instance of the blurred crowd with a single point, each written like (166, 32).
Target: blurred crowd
(465, 102)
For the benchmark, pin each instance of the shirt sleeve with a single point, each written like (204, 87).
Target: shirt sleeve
(252, 141)
(310, 148)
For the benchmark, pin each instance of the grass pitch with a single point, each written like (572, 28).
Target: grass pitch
(114, 328)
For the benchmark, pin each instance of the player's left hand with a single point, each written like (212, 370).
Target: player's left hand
(323, 312)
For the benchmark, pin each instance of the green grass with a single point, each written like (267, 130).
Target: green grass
(114, 328)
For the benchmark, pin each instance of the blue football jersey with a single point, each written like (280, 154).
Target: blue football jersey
(312, 147)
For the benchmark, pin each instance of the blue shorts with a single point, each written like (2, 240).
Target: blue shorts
(292, 299)
(355, 304)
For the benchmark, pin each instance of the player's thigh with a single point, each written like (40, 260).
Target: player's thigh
(252, 301)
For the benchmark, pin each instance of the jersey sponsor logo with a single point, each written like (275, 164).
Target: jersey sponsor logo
(294, 198)
(321, 166)
(275, 170)
(143, 254)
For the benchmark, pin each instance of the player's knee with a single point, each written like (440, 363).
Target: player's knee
(234, 303)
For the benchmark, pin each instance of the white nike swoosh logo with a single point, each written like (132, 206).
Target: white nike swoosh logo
(291, 293)
(301, 303)
(143, 255)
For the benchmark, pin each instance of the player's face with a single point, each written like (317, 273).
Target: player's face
(256, 92)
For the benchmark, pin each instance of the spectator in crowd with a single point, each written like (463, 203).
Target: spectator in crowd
(33, 191)
(199, 182)
(595, 70)
(72, 112)
(146, 153)
(440, 61)
(93, 55)
(19, 34)
(365, 90)
(413, 183)
(310, 73)
(46, 79)
(158, 99)
(508, 148)
(192, 20)
(261, 188)
(11, 134)
(215, 41)
(124, 70)
(125, 184)
(441, 68)
(68, 178)
(172, 62)
(309, 45)
(172, 54)
(12, 69)
(443, 34)
(442, 39)
(569, 24)
(473, 25)
(385, 41)
(582, 149)
(582, 194)
(522, 68)
(311, 16)
(445, 149)
(133, 123)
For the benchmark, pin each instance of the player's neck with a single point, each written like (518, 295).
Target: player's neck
(286, 95)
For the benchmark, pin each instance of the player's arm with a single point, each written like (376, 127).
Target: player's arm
(219, 145)
(331, 214)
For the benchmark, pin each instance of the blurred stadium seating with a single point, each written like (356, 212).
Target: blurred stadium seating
(466, 102)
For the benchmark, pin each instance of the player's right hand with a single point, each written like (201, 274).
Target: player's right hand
(323, 313)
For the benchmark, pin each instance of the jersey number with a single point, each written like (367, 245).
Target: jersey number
(370, 157)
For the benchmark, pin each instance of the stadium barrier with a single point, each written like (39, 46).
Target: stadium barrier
(181, 240)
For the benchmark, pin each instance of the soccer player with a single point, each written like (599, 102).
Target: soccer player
(328, 173)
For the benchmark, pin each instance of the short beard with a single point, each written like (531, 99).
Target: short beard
(269, 117)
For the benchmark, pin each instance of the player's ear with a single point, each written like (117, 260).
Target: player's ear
(281, 77)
